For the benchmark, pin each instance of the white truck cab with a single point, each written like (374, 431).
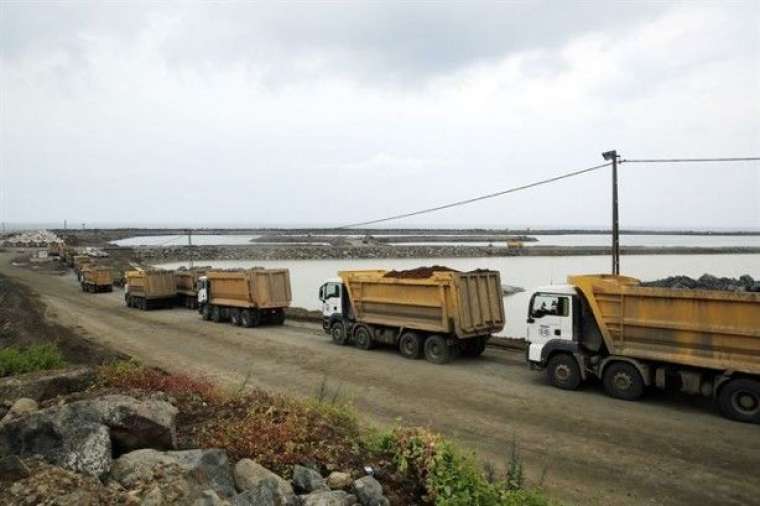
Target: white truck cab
(202, 291)
(551, 317)
(331, 296)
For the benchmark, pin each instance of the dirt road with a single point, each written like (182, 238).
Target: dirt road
(592, 449)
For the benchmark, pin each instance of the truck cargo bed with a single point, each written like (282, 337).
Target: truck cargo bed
(462, 303)
(712, 329)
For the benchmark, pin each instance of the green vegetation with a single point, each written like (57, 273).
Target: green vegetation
(38, 357)
(451, 477)
(278, 431)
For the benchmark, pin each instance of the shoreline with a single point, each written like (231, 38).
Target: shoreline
(105, 235)
(314, 252)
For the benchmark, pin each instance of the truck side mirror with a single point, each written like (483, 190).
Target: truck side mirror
(531, 320)
(322, 293)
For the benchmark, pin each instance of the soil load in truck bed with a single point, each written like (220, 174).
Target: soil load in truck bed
(419, 272)
(708, 282)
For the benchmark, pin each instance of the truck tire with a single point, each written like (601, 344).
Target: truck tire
(363, 338)
(206, 312)
(128, 301)
(410, 345)
(216, 314)
(739, 399)
(563, 371)
(278, 318)
(623, 381)
(235, 317)
(437, 350)
(250, 318)
(338, 333)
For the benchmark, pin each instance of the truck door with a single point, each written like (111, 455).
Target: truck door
(550, 317)
(203, 290)
(330, 295)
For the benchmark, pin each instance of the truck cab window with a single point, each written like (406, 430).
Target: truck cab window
(332, 290)
(549, 305)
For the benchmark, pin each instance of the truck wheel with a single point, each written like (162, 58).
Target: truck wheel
(623, 381)
(278, 318)
(235, 317)
(216, 314)
(206, 312)
(362, 338)
(739, 400)
(128, 301)
(338, 333)
(410, 345)
(437, 350)
(563, 371)
(250, 318)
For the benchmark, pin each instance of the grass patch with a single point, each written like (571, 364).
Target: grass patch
(37, 357)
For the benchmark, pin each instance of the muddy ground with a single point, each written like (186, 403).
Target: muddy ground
(666, 449)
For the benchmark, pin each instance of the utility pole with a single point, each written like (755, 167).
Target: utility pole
(190, 245)
(613, 157)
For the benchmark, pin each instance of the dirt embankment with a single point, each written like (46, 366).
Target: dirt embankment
(23, 323)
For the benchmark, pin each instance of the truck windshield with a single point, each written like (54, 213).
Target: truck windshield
(549, 305)
(332, 290)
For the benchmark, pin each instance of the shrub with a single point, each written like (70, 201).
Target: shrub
(450, 477)
(131, 375)
(37, 357)
(279, 432)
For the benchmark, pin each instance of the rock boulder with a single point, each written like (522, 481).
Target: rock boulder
(307, 480)
(369, 492)
(44, 385)
(78, 436)
(203, 469)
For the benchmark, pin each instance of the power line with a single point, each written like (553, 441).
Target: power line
(679, 160)
(479, 198)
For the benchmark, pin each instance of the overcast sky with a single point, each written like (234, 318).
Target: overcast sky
(331, 113)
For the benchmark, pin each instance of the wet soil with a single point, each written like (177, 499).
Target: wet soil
(419, 272)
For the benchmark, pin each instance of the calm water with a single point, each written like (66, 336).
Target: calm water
(306, 276)
(543, 240)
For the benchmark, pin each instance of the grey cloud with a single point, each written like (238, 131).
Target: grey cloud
(377, 41)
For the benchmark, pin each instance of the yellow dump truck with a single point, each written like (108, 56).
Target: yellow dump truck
(150, 289)
(631, 337)
(96, 278)
(187, 287)
(245, 297)
(435, 312)
(79, 261)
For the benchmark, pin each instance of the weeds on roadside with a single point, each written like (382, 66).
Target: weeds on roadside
(132, 375)
(37, 357)
(453, 478)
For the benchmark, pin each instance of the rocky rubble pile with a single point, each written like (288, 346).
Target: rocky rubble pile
(708, 282)
(32, 239)
(116, 449)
